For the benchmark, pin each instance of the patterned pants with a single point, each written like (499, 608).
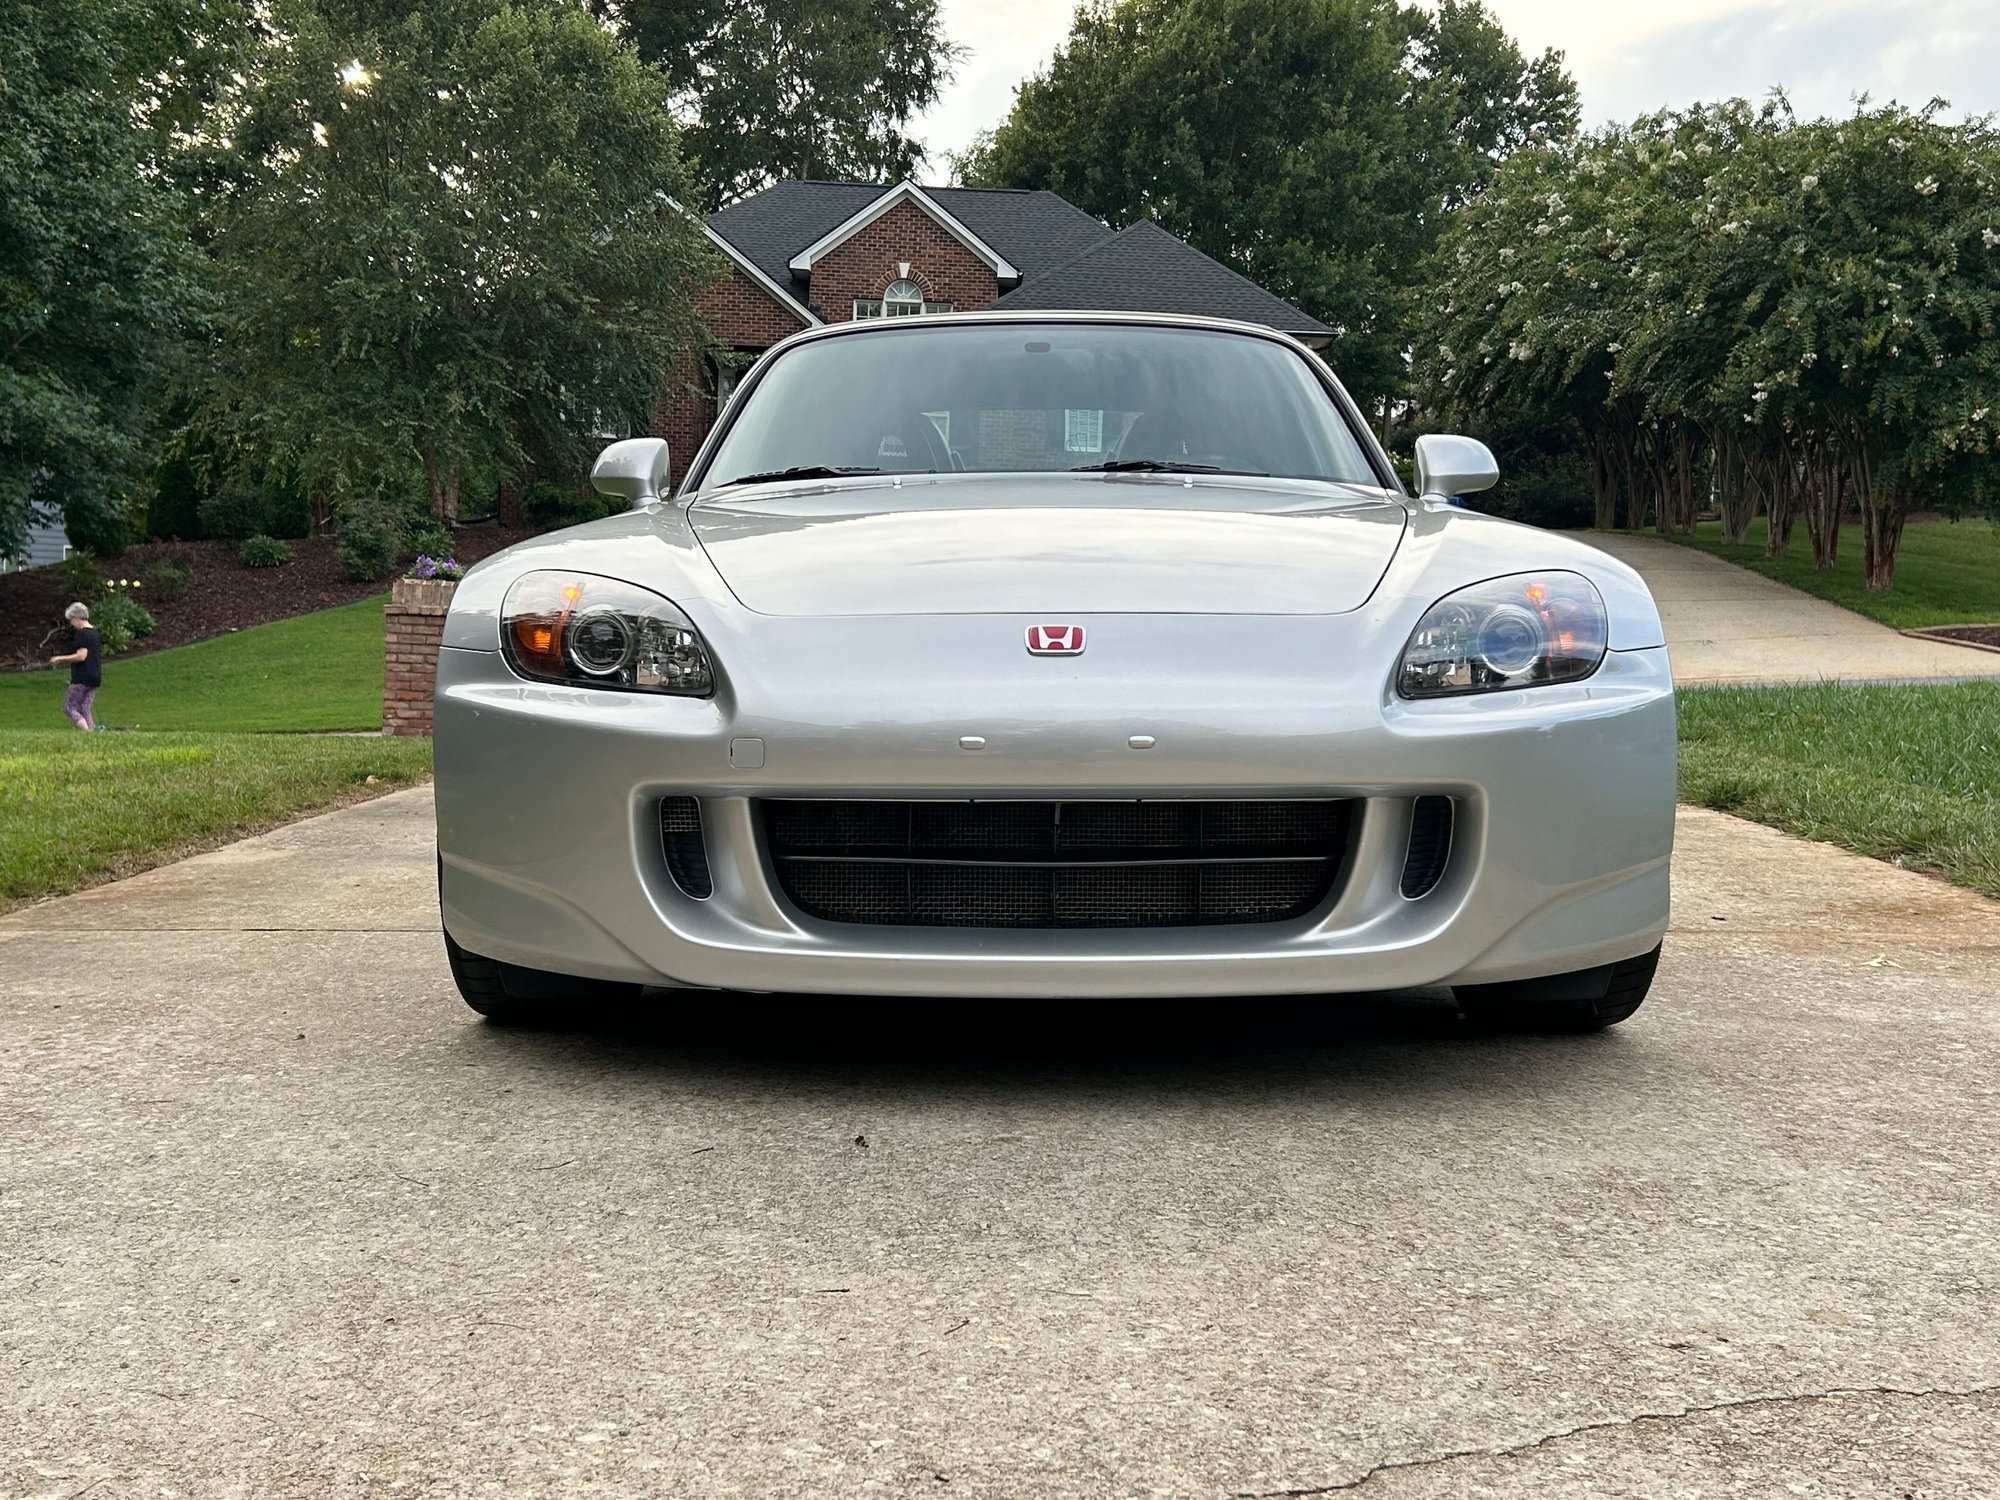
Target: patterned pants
(76, 703)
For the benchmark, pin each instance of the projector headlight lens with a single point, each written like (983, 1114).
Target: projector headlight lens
(1515, 632)
(589, 631)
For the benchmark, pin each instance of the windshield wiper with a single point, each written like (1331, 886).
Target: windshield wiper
(800, 471)
(1145, 466)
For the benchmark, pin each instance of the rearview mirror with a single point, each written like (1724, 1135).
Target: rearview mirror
(635, 470)
(1448, 465)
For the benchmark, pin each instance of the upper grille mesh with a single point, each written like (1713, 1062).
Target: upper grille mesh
(1057, 864)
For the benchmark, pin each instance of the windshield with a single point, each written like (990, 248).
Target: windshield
(1022, 397)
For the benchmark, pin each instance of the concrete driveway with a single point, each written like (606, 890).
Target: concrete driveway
(279, 1218)
(1726, 624)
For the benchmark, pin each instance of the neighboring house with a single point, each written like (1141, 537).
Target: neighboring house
(47, 542)
(803, 253)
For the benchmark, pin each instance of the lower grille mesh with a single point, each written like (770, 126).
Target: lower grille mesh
(1057, 864)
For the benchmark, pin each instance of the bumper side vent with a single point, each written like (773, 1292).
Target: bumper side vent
(684, 847)
(1430, 846)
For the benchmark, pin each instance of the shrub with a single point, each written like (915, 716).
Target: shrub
(166, 578)
(368, 543)
(120, 620)
(96, 523)
(79, 575)
(550, 506)
(263, 552)
(239, 509)
(424, 537)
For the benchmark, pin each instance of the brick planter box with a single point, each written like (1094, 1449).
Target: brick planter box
(412, 626)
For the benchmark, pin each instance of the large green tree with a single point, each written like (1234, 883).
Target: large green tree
(769, 89)
(97, 275)
(1314, 145)
(454, 242)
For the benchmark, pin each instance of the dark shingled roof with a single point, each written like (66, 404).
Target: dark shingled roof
(1142, 268)
(1032, 230)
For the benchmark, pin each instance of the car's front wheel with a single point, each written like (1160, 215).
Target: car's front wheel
(1586, 1000)
(514, 996)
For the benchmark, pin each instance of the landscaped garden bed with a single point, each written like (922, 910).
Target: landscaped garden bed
(221, 594)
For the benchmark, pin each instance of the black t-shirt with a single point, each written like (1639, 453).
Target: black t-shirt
(90, 671)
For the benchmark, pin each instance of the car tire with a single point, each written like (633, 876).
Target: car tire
(1582, 1001)
(510, 995)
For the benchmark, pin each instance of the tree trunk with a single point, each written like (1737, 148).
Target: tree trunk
(1881, 535)
(443, 482)
(1825, 498)
(1603, 483)
(1780, 483)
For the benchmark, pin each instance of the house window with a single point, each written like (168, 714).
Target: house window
(899, 299)
(1083, 431)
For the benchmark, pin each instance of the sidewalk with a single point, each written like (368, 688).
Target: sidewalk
(1726, 624)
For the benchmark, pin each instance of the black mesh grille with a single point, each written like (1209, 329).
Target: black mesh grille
(686, 850)
(1430, 845)
(1056, 864)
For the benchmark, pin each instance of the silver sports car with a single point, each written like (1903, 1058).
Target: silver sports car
(1056, 656)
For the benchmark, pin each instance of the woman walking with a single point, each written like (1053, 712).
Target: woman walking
(86, 666)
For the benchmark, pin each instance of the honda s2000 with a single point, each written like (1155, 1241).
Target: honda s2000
(1053, 656)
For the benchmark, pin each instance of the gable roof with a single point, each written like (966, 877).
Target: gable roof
(1030, 230)
(906, 192)
(1143, 268)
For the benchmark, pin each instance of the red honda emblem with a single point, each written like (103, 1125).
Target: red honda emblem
(1055, 640)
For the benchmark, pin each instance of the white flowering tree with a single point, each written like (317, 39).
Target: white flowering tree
(1730, 305)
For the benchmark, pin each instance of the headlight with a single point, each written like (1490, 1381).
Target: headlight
(1513, 632)
(596, 632)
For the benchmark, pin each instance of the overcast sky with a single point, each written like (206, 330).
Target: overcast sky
(1627, 58)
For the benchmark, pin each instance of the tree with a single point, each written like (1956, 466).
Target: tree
(1313, 145)
(770, 89)
(96, 271)
(1730, 304)
(454, 242)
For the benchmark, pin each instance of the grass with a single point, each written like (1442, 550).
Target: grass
(316, 671)
(76, 808)
(1909, 774)
(1947, 572)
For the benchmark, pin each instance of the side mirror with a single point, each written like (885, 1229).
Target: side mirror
(635, 470)
(1449, 465)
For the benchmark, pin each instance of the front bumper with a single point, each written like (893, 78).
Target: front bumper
(549, 834)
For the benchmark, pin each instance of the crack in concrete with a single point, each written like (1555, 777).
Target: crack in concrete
(1608, 1423)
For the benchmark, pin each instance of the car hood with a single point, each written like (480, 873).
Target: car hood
(1051, 544)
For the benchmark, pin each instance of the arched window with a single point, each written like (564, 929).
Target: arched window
(901, 298)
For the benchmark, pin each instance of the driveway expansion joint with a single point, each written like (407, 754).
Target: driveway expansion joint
(1612, 1423)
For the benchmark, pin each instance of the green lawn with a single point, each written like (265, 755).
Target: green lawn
(1947, 572)
(316, 671)
(1903, 773)
(77, 807)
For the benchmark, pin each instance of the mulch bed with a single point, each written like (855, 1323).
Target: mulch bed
(1968, 635)
(222, 596)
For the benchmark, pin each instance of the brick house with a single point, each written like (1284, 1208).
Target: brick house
(803, 253)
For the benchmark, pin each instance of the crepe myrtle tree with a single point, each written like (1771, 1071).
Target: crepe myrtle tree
(1726, 303)
(452, 240)
(1873, 347)
(1523, 324)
